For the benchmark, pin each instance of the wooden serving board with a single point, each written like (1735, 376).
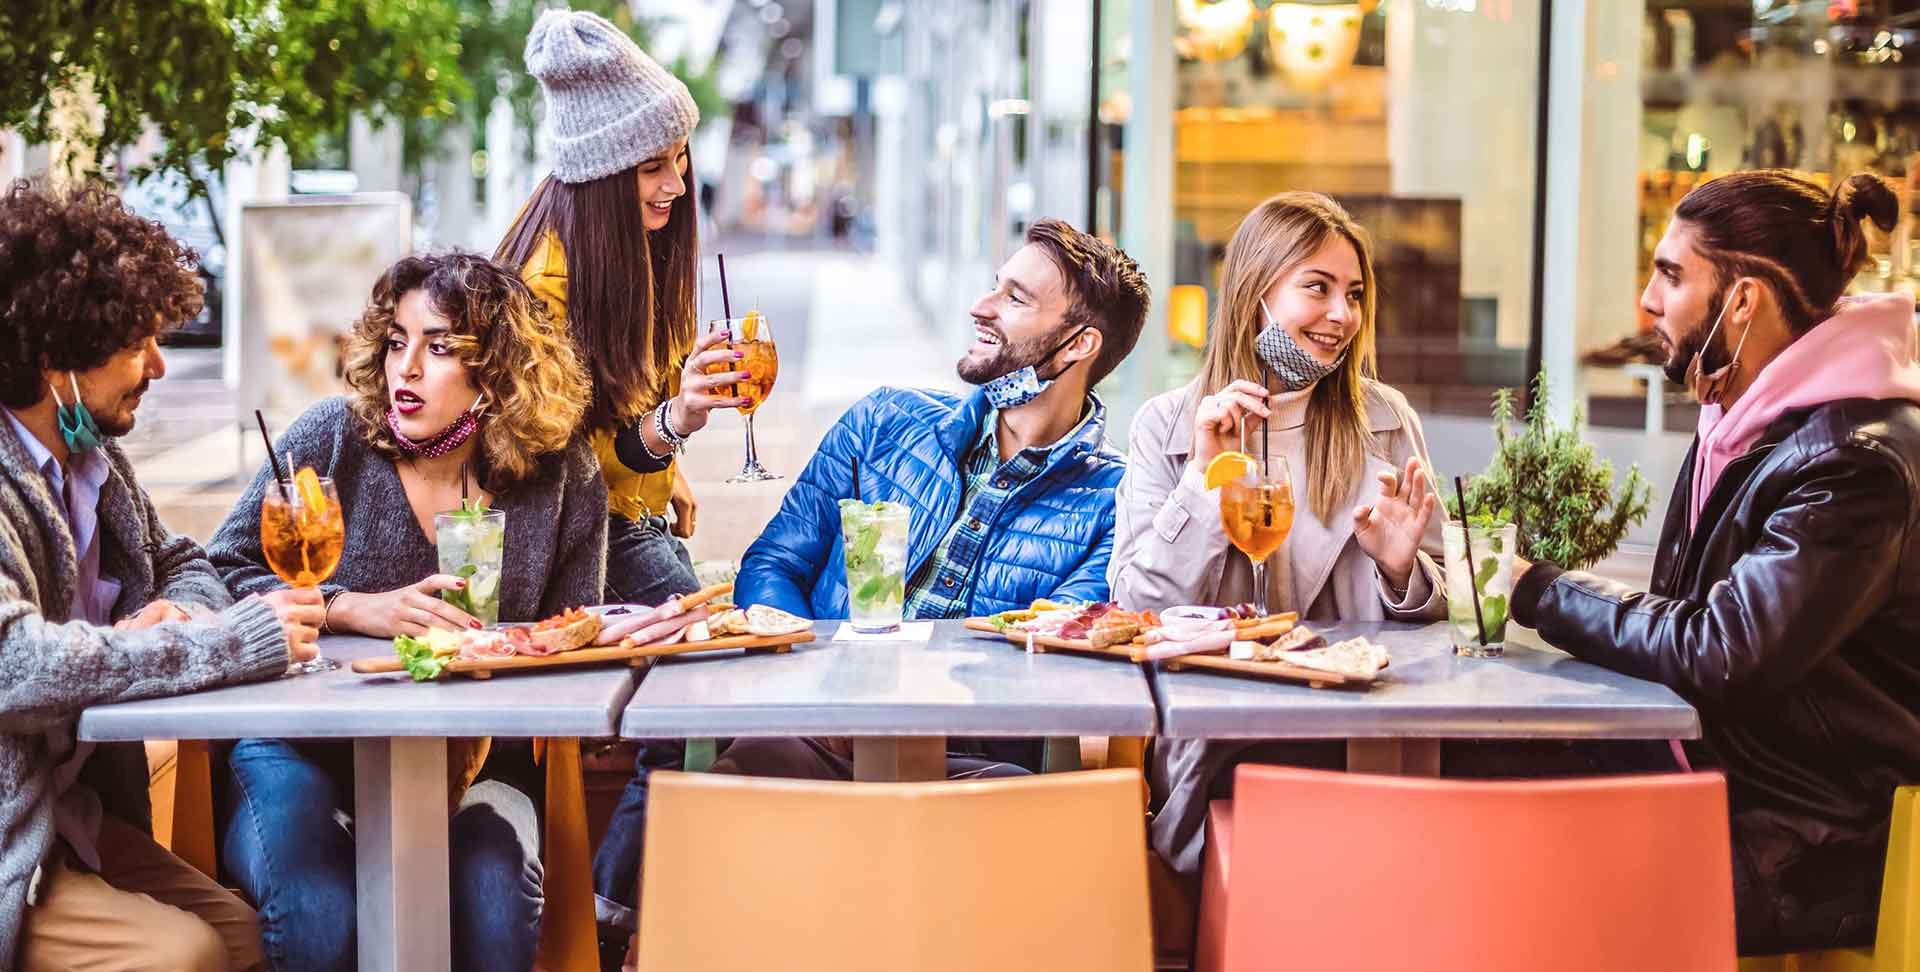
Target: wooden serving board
(1045, 643)
(1317, 678)
(635, 655)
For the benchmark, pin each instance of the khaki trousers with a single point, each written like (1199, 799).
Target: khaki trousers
(147, 911)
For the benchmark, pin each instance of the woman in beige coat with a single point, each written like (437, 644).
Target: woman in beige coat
(1297, 295)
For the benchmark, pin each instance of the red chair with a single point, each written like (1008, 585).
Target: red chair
(1365, 872)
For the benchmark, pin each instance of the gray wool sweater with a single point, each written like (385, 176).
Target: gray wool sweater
(52, 668)
(556, 547)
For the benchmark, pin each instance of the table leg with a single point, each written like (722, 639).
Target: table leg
(1394, 757)
(400, 830)
(899, 758)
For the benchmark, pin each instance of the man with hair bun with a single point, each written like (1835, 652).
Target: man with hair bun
(1786, 593)
(99, 602)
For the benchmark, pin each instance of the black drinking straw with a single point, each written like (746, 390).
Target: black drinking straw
(1266, 459)
(856, 479)
(726, 304)
(463, 484)
(279, 474)
(1466, 538)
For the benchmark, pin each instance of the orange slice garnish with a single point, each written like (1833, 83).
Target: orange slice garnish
(1228, 467)
(750, 328)
(306, 484)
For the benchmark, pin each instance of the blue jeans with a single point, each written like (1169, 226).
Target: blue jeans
(645, 563)
(290, 853)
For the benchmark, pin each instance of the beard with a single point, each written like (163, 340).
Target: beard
(1713, 354)
(118, 422)
(1010, 356)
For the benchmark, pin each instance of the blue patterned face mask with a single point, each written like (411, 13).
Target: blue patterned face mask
(1296, 367)
(77, 427)
(1023, 385)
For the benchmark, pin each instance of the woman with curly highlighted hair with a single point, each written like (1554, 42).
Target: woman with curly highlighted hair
(461, 385)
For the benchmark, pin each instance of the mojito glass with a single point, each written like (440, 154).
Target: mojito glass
(1490, 572)
(875, 535)
(472, 543)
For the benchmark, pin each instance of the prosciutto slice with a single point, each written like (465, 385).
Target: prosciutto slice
(669, 629)
(485, 644)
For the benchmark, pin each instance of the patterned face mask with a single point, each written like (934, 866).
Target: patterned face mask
(1022, 385)
(442, 442)
(77, 427)
(1296, 367)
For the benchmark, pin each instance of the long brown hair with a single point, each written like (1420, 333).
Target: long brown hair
(522, 361)
(1273, 239)
(630, 293)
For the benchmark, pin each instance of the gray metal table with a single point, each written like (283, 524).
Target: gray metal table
(1425, 695)
(399, 732)
(897, 700)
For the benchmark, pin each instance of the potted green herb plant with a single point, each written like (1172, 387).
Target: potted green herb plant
(1549, 482)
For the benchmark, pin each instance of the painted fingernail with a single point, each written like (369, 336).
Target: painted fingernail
(739, 355)
(460, 583)
(746, 376)
(474, 624)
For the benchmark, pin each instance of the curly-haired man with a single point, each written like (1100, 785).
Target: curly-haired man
(99, 602)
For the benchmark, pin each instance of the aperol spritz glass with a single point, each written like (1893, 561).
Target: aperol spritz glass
(302, 533)
(1257, 511)
(752, 336)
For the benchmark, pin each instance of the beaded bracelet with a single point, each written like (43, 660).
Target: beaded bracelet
(672, 438)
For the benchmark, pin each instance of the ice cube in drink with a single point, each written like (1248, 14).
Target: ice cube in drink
(472, 545)
(874, 536)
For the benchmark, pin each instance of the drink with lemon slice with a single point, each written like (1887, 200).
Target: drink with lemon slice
(472, 541)
(1256, 509)
(302, 534)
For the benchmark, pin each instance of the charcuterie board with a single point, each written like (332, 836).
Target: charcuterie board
(1315, 677)
(636, 655)
(1044, 643)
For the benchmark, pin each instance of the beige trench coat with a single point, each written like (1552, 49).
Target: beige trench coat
(1170, 549)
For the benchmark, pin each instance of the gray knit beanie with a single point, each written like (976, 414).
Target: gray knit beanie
(611, 106)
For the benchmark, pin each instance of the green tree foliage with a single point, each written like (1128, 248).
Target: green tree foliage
(216, 78)
(1552, 484)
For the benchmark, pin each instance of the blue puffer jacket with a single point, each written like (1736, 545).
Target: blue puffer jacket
(1051, 539)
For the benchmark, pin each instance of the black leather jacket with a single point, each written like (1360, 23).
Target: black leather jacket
(1791, 619)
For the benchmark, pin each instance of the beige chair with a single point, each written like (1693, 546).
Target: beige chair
(1047, 872)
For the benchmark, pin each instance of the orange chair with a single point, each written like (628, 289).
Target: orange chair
(1350, 871)
(1047, 872)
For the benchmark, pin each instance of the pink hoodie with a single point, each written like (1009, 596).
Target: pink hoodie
(1869, 348)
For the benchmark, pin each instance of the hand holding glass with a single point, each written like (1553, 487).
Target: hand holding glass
(302, 533)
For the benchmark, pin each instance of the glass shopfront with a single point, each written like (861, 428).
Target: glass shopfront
(1420, 116)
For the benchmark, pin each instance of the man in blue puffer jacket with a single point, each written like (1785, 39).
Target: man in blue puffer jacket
(1011, 488)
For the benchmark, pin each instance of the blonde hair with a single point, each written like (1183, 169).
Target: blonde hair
(1272, 240)
(535, 391)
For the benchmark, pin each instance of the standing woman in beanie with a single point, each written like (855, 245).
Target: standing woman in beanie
(609, 241)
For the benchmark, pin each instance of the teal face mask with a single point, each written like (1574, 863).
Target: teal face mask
(77, 426)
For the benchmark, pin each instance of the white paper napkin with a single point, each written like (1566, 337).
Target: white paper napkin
(912, 632)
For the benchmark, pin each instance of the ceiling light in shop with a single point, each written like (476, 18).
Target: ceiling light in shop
(1215, 30)
(1312, 42)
